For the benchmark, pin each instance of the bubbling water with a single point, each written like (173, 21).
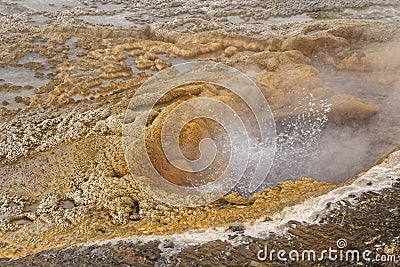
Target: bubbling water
(297, 136)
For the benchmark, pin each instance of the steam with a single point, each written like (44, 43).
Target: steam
(312, 146)
(309, 145)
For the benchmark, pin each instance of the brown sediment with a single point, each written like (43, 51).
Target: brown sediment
(341, 222)
(154, 218)
(65, 180)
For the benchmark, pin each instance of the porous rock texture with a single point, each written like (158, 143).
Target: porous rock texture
(64, 179)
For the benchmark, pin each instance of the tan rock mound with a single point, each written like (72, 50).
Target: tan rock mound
(312, 44)
(348, 107)
(190, 136)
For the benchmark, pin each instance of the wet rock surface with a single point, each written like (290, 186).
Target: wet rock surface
(372, 224)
